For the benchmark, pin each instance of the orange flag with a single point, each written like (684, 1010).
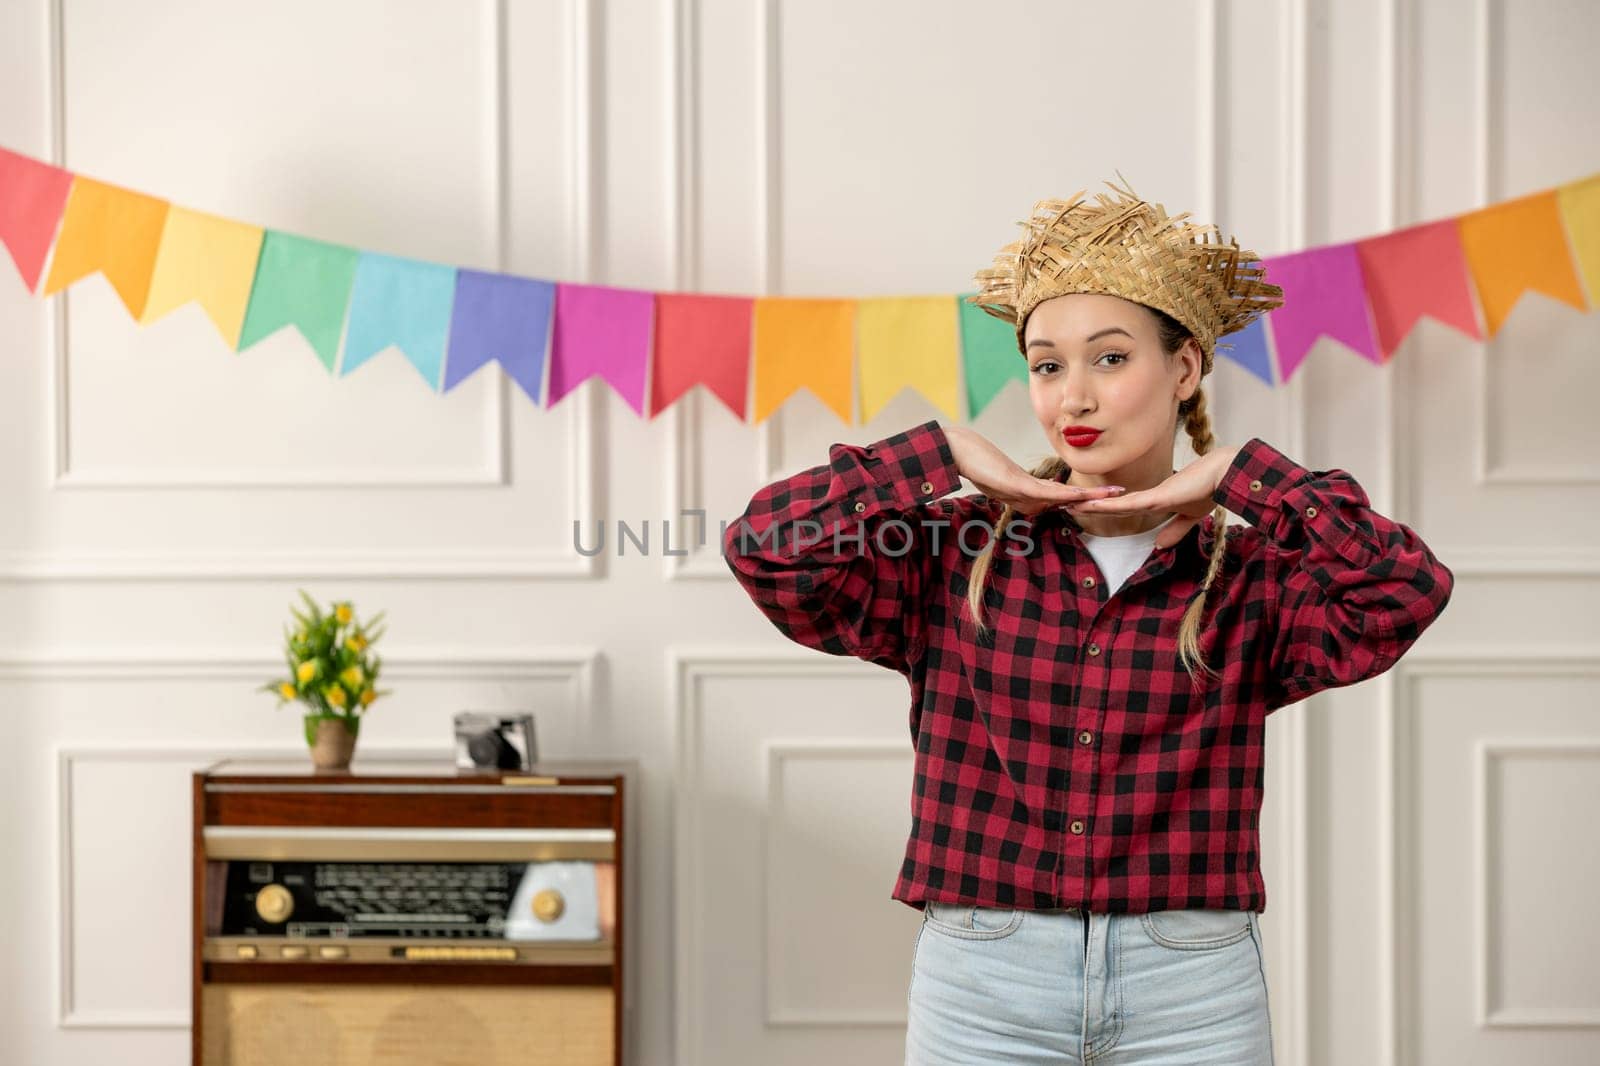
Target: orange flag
(1515, 246)
(803, 342)
(114, 231)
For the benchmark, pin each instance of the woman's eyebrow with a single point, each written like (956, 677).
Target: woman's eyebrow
(1046, 342)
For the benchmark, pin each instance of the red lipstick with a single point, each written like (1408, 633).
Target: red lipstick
(1080, 436)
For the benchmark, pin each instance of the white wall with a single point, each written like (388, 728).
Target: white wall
(1428, 842)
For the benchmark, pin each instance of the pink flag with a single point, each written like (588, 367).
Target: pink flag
(1322, 294)
(600, 330)
(1414, 272)
(32, 197)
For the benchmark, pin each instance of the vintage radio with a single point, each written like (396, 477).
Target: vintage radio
(408, 912)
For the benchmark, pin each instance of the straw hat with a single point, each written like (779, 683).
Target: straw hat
(1124, 246)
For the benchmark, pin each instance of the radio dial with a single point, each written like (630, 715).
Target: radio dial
(548, 905)
(274, 903)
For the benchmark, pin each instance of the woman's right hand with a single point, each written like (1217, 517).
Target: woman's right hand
(997, 477)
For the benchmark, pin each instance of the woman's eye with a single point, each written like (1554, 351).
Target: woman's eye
(1044, 367)
(1115, 355)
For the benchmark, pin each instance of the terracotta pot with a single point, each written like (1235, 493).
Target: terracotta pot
(332, 741)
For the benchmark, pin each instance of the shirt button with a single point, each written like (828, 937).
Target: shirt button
(927, 486)
(1088, 582)
(860, 507)
(1255, 486)
(1085, 737)
(1077, 827)
(1311, 512)
(1094, 649)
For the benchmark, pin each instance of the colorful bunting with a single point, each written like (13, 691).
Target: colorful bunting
(1322, 294)
(503, 318)
(701, 340)
(448, 322)
(403, 302)
(111, 230)
(207, 259)
(601, 331)
(1414, 272)
(903, 341)
(803, 343)
(32, 197)
(1516, 246)
(301, 283)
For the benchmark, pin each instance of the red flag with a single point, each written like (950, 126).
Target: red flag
(1414, 272)
(32, 197)
(701, 340)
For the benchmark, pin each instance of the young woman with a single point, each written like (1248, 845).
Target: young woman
(1092, 652)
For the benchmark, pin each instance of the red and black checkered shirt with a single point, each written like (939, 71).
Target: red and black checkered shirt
(1065, 759)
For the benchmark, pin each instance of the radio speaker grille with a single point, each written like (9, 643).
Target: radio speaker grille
(415, 1025)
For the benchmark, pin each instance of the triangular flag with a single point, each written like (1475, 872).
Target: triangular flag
(209, 259)
(1322, 294)
(600, 330)
(701, 340)
(907, 340)
(303, 283)
(32, 197)
(503, 318)
(403, 302)
(112, 230)
(989, 355)
(1515, 246)
(1414, 272)
(803, 343)
(1248, 348)
(1580, 209)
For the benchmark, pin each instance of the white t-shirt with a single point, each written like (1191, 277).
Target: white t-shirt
(1118, 557)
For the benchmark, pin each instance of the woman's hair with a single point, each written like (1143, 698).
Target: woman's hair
(1197, 422)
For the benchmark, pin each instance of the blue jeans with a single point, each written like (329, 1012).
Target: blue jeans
(994, 985)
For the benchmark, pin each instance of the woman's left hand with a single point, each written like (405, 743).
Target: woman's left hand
(1188, 492)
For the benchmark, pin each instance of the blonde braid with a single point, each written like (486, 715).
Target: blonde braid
(1049, 469)
(1197, 422)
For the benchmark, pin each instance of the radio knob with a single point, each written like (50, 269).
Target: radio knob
(548, 905)
(274, 903)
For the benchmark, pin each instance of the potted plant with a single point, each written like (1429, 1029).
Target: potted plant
(334, 672)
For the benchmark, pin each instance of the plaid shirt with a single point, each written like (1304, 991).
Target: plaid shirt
(1065, 759)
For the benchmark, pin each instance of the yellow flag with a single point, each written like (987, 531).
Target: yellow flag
(909, 340)
(1515, 246)
(112, 230)
(803, 342)
(1580, 208)
(208, 259)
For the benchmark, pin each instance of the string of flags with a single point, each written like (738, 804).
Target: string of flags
(652, 347)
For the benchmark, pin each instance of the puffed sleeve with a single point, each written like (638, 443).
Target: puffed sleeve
(1349, 589)
(813, 553)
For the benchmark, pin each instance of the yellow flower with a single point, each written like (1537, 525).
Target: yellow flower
(351, 676)
(367, 696)
(300, 635)
(356, 642)
(335, 695)
(343, 613)
(306, 670)
(286, 690)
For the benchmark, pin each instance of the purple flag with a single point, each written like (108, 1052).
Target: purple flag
(605, 331)
(1248, 347)
(1323, 292)
(499, 317)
